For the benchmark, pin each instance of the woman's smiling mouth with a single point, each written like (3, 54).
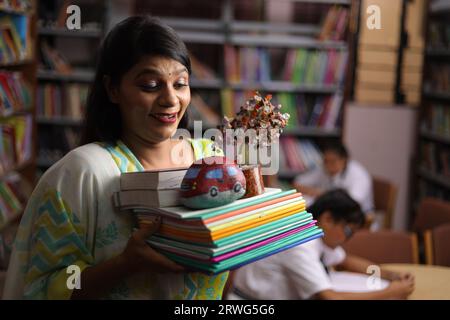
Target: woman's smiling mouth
(165, 117)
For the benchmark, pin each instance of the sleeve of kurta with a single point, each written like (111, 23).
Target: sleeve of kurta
(64, 213)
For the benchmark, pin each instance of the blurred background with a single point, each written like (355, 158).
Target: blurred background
(385, 93)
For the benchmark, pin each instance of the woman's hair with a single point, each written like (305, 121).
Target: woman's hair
(123, 47)
(340, 205)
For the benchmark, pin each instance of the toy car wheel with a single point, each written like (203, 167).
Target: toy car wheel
(213, 191)
(237, 187)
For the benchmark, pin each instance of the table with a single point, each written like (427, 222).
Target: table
(431, 282)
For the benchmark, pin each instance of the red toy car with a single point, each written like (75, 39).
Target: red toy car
(208, 185)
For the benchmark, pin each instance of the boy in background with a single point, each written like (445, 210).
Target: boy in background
(302, 272)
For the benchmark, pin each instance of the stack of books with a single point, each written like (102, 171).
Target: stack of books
(149, 189)
(227, 237)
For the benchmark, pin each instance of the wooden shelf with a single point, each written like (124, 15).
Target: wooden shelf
(63, 32)
(80, 75)
(435, 136)
(16, 113)
(9, 10)
(284, 86)
(438, 53)
(207, 84)
(435, 178)
(62, 121)
(272, 86)
(440, 6)
(285, 41)
(17, 63)
(437, 95)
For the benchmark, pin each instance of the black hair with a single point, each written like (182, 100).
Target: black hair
(340, 205)
(338, 148)
(123, 47)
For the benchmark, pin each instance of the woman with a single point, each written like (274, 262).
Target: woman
(138, 99)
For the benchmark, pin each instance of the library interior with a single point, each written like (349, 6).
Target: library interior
(356, 91)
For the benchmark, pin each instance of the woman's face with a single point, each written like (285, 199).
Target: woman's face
(152, 96)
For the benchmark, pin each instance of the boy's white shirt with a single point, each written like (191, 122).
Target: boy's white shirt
(297, 273)
(356, 180)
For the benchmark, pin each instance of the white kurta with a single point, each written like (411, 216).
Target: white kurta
(70, 220)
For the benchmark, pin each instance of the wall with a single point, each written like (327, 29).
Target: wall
(383, 140)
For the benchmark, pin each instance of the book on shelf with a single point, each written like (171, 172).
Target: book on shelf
(436, 158)
(439, 35)
(15, 93)
(200, 70)
(15, 41)
(52, 59)
(437, 119)
(15, 141)
(16, 5)
(201, 110)
(154, 180)
(14, 194)
(300, 155)
(223, 238)
(437, 79)
(55, 100)
(335, 24)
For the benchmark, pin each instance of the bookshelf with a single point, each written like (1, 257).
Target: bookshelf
(432, 168)
(17, 115)
(66, 69)
(243, 49)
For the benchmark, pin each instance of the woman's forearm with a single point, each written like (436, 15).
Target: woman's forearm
(97, 280)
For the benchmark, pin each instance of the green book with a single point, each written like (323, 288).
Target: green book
(181, 212)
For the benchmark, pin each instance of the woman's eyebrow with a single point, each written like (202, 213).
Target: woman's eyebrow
(154, 71)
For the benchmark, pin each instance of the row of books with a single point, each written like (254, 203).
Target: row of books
(14, 38)
(301, 67)
(437, 119)
(15, 141)
(299, 155)
(436, 158)
(15, 93)
(439, 35)
(312, 111)
(55, 100)
(322, 111)
(335, 24)
(221, 238)
(16, 5)
(438, 78)
(14, 192)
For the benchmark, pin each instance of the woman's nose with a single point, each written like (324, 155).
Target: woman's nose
(168, 97)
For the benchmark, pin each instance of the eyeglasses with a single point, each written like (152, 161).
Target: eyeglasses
(348, 231)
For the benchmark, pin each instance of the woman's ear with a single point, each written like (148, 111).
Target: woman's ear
(110, 89)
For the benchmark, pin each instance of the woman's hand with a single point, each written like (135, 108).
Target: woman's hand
(138, 256)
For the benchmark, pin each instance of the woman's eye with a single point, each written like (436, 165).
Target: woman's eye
(181, 84)
(149, 86)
